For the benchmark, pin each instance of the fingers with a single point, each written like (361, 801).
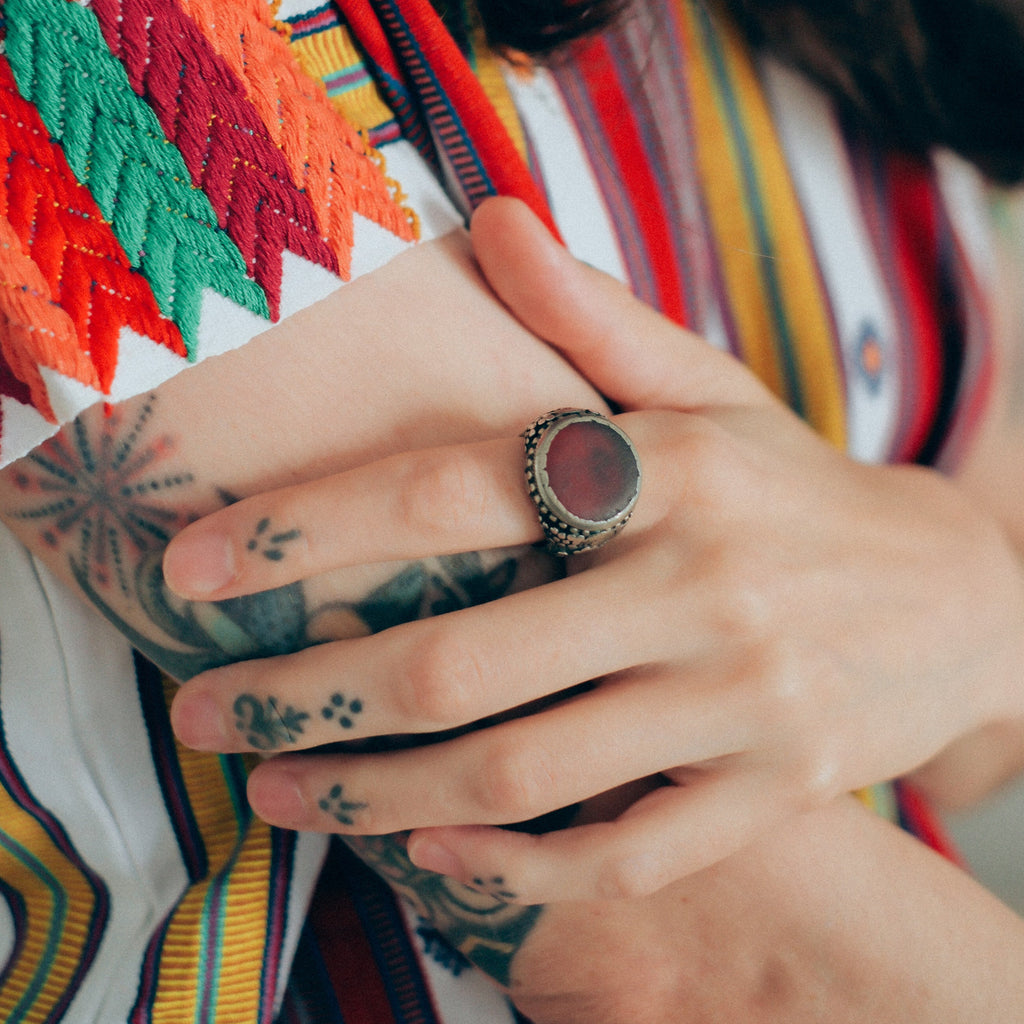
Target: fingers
(438, 674)
(510, 772)
(625, 348)
(434, 502)
(668, 834)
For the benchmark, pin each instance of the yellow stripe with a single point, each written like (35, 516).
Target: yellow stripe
(804, 307)
(53, 943)
(245, 852)
(489, 73)
(326, 53)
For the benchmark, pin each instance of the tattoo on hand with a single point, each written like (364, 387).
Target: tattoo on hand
(494, 887)
(270, 544)
(101, 495)
(109, 493)
(481, 927)
(268, 726)
(340, 809)
(342, 711)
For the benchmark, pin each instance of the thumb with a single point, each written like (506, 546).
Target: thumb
(626, 349)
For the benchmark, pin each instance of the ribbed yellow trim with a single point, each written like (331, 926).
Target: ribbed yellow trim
(54, 942)
(332, 51)
(489, 73)
(804, 305)
(243, 918)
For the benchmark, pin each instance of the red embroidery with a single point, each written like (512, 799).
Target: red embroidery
(67, 286)
(203, 110)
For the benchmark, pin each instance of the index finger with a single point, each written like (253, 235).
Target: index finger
(431, 502)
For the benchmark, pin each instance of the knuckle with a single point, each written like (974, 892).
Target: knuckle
(514, 785)
(814, 770)
(444, 681)
(627, 876)
(716, 472)
(441, 494)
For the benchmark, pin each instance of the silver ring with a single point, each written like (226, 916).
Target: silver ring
(583, 474)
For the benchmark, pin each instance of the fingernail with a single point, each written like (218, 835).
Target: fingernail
(198, 722)
(430, 855)
(275, 796)
(197, 566)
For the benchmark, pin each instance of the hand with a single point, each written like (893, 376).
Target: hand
(777, 625)
(838, 917)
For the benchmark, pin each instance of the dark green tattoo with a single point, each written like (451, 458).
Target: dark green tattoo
(102, 491)
(340, 809)
(344, 712)
(269, 544)
(494, 887)
(267, 726)
(99, 495)
(483, 929)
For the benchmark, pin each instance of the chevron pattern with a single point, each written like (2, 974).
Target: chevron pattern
(203, 110)
(114, 145)
(327, 157)
(67, 286)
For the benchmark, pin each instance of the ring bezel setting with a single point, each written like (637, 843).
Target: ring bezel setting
(606, 479)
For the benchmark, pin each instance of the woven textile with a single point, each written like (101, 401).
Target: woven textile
(179, 174)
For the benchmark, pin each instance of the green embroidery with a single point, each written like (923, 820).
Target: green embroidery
(116, 147)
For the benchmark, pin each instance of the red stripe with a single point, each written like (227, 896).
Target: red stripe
(612, 107)
(483, 127)
(911, 200)
(505, 166)
(919, 819)
(347, 955)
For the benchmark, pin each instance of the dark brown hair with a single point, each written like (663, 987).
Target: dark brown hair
(921, 73)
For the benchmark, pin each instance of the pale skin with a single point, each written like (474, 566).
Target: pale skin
(808, 625)
(578, 934)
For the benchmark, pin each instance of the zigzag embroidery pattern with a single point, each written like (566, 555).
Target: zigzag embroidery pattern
(327, 157)
(203, 110)
(67, 286)
(114, 145)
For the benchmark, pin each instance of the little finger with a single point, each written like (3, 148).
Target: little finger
(666, 835)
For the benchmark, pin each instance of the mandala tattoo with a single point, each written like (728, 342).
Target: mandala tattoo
(102, 495)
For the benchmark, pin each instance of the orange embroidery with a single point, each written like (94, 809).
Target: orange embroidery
(327, 157)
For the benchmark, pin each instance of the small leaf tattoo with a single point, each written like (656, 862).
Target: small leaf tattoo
(269, 543)
(495, 888)
(340, 809)
(266, 724)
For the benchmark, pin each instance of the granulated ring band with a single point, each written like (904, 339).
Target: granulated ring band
(583, 474)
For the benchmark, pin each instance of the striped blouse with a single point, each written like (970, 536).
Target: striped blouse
(180, 174)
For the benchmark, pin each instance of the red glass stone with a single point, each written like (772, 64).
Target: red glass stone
(592, 470)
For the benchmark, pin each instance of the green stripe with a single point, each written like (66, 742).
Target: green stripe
(115, 146)
(212, 927)
(785, 346)
(55, 929)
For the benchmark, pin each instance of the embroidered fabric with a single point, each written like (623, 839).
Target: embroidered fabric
(180, 173)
